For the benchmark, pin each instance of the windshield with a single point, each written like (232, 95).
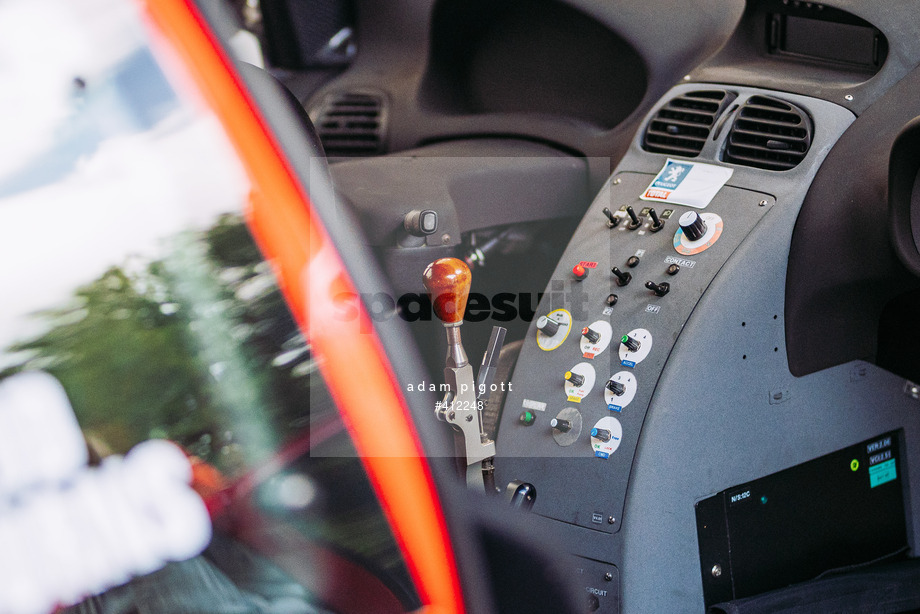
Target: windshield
(131, 280)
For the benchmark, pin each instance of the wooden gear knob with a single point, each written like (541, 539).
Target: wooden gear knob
(448, 283)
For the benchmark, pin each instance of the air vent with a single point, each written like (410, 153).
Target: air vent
(351, 123)
(682, 125)
(769, 133)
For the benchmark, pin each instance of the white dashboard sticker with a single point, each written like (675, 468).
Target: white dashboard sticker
(687, 183)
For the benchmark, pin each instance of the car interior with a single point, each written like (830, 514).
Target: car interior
(734, 427)
(647, 276)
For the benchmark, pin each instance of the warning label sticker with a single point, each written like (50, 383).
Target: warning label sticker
(687, 183)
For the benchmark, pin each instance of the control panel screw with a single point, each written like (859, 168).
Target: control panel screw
(611, 519)
(617, 181)
(848, 97)
(762, 203)
(716, 570)
(608, 576)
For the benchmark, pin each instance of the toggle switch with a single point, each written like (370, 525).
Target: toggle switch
(622, 278)
(656, 224)
(634, 222)
(547, 326)
(659, 289)
(574, 378)
(612, 220)
(591, 335)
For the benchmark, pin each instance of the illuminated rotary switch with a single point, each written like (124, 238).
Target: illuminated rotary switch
(547, 326)
(591, 335)
(575, 378)
(601, 434)
(616, 388)
(693, 225)
(632, 344)
(561, 425)
(579, 272)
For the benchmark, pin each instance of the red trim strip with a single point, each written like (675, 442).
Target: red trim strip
(314, 282)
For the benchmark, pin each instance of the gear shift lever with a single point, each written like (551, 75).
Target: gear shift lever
(448, 282)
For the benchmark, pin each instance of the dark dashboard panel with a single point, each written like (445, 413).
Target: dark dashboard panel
(541, 57)
(594, 112)
(846, 51)
(843, 269)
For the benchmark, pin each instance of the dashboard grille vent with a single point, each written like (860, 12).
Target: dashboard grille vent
(351, 123)
(770, 134)
(684, 123)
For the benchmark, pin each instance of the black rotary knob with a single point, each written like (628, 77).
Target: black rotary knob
(547, 326)
(574, 378)
(602, 434)
(693, 225)
(632, 344)
(590, 334)
(563, 426)
(616, 387)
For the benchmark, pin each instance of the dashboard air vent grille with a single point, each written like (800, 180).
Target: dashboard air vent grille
(683, 124)
(769, 133)
(351, 123)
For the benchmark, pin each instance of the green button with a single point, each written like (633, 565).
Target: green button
(854, 465)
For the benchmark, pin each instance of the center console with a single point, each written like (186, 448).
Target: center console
(655, 373)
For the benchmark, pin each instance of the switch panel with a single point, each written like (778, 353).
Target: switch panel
(619, 345)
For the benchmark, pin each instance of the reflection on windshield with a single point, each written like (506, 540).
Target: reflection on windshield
(192, 343)
(130, 276)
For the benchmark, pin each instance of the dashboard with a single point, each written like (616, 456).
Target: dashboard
(711, 212)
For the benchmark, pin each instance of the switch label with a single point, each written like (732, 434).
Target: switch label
(882, 473)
